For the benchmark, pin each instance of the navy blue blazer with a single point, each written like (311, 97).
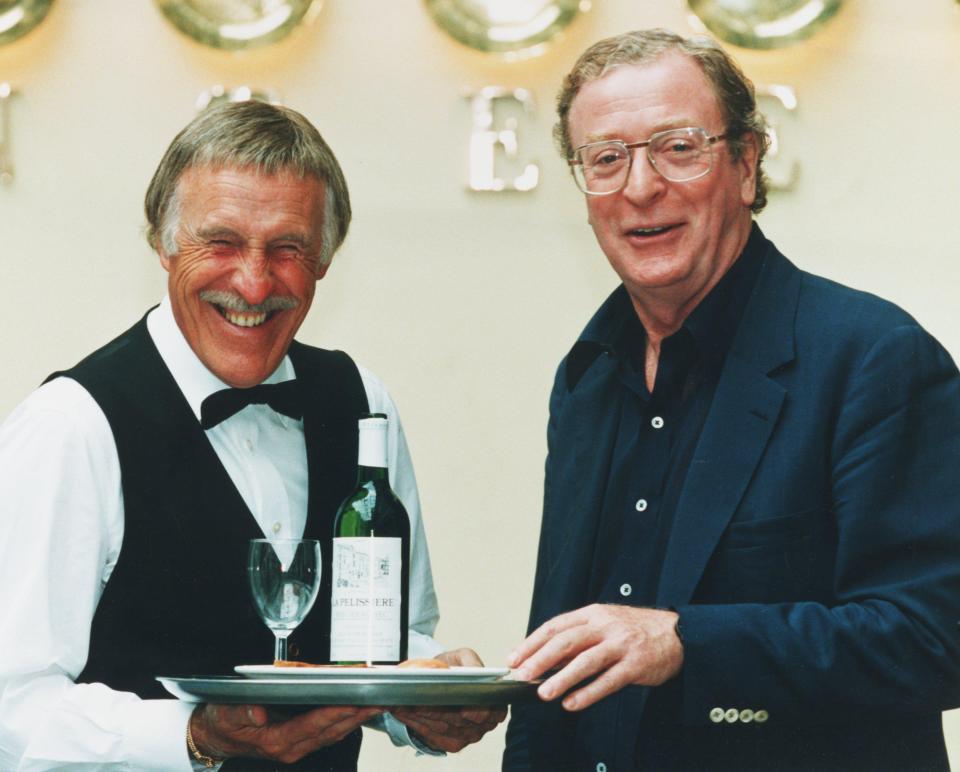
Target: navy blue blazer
(815, 554)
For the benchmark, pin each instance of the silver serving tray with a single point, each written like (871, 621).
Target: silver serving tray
(519, 27)
(763, 23)
(18, 17)
(353, 691)
(237, 24)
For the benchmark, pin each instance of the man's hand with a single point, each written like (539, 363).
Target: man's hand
(229, 731)
(615, 645)
(451, 729)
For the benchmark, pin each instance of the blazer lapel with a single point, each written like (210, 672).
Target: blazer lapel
(744, 411)
(576, 487)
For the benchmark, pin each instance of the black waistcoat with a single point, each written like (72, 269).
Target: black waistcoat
(178, 602)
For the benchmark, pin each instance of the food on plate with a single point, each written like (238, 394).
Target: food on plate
(431, 663)
(294, 663)
(434, 663)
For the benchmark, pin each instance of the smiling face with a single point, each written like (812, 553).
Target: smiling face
(669, 241)
(248, 259)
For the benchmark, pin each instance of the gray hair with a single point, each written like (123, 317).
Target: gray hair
(733, 90)
(269, 139)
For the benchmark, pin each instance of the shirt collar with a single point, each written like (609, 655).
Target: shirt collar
(194, 379)
(712, 323)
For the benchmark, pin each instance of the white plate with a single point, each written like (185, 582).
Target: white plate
(378, 672)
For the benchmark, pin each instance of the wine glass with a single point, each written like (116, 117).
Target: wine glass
(284, 577)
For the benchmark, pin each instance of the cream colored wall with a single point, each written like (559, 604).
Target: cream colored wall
(463, 303)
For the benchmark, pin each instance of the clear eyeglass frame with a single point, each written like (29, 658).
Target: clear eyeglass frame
(699, 163)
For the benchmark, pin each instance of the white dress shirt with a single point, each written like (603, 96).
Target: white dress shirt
(61, 531)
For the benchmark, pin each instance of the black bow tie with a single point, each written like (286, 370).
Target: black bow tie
(283, 397)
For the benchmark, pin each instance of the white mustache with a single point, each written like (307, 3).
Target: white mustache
(233, 302)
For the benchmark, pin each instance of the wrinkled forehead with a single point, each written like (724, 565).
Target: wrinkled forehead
(246, 195)
(671, 91)
(195, 181)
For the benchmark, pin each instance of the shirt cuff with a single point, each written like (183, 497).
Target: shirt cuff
(156, 736)
(400, 735)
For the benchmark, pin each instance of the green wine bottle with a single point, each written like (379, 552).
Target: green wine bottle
(369, 604)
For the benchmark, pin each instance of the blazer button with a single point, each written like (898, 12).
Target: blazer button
(746, 715)
(626, 590)
(601, 767)
(294, 650)
(760, 716)
(716, 715)
(731, 715)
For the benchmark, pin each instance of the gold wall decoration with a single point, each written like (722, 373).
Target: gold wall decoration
(217, 94)
(763, 23)
(238, 24)
(778, 102)
(490, 140)
(18, 17)
(514, 28)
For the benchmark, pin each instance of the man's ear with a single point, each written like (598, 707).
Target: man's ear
(322, 269)
(165, 259)
(747, 163)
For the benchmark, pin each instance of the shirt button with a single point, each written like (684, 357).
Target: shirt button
(716, 715)
(656, 422)
(601, 767)
(277, 527)
(625, 590)
(248, 444)
(641, 505)
(731, 715)
(760, 716)
(746, 715)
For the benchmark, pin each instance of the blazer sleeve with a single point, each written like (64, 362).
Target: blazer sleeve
(516, 755)
(888, 643)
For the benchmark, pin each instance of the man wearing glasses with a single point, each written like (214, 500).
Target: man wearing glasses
(750, 548)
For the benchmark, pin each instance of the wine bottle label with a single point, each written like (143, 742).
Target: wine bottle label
(365, 603)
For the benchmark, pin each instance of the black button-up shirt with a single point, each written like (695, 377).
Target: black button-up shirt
(656, 437)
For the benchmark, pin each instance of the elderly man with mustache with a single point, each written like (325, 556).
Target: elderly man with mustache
(132, 482)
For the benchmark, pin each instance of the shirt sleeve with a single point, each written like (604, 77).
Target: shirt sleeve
(886, 644)
(61, 527)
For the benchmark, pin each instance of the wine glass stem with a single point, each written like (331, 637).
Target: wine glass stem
(280, 647)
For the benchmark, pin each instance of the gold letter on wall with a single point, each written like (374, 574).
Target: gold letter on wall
(486, 138)
(782, 169)
(6, 165)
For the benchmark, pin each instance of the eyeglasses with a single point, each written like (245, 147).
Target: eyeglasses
(678, 155)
